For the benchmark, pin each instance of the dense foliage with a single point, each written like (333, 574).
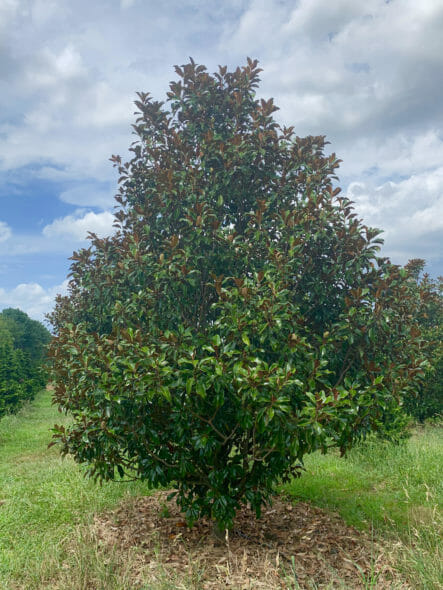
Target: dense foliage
(427, 400)
(239, 318)
(23, 343)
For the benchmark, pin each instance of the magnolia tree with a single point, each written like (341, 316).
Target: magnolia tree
(239, 318)
(427, 400)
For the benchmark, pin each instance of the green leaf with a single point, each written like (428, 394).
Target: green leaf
(200, 389)
(166, 393)
(189, 384)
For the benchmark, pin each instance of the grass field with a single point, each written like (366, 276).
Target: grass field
(44, 498)
(46, 506)
(393, 491)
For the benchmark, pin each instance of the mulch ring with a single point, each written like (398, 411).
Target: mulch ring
(291, 546)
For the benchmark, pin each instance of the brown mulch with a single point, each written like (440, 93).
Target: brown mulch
(291, 546)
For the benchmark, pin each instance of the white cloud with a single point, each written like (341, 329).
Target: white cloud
(5, 231)
(60, 237)
(43, 11)
(397, 155)
(74, 123)
(32, 298)
(369, 76)
(88, 195)
(348, 67)
(8, 12)
(49, 70)
(126, 3)
(30, 244)
(78, 225)
(411, 212)
(367, 73)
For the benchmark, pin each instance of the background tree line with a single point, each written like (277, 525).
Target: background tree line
(23, 344)
(427, 400)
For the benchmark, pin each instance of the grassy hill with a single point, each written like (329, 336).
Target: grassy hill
(47, 506)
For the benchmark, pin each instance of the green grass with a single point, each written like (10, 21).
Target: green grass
(378, 482)
(393, 491)
(43, 497)
(46, 507)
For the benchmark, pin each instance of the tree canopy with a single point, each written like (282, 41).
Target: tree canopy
(23, 344)
(427, 400)
(240, 317)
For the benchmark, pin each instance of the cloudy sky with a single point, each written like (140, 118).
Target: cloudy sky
(366, 73)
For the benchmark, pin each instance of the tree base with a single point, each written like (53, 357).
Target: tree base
(218, 533)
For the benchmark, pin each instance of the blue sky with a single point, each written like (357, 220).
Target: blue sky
(366, 73)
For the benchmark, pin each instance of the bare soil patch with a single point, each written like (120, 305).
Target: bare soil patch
(291, 546)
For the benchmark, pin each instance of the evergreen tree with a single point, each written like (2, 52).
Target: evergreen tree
(241, 316)
(427, 400)
(23, 343)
